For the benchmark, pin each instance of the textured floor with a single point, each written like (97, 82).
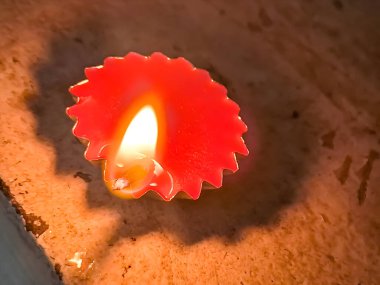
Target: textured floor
(303, 209)
(21, 261)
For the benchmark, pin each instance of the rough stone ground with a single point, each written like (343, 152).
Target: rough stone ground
(304, 209)
(21, 261)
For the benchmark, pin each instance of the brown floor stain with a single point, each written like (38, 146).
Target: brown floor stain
(328, 139)
(343, 171)
(84, 176)
(266, 21)
(364, 174)
(33, 223)
(338, 5)
(57, 268)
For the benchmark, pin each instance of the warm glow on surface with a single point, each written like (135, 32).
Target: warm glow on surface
(140, 138)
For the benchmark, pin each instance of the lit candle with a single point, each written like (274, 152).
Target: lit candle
(158, 124)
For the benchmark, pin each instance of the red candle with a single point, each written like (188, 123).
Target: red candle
(158, 124)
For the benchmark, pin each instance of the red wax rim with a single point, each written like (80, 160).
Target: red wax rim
(203, 130)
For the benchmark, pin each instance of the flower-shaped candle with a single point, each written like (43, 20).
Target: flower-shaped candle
(158, 124)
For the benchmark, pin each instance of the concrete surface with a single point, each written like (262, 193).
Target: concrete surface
(21, 261)
(304, 208)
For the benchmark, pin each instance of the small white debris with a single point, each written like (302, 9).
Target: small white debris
(120, 184)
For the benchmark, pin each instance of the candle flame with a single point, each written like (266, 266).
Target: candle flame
(140, 138)
(133, 166)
